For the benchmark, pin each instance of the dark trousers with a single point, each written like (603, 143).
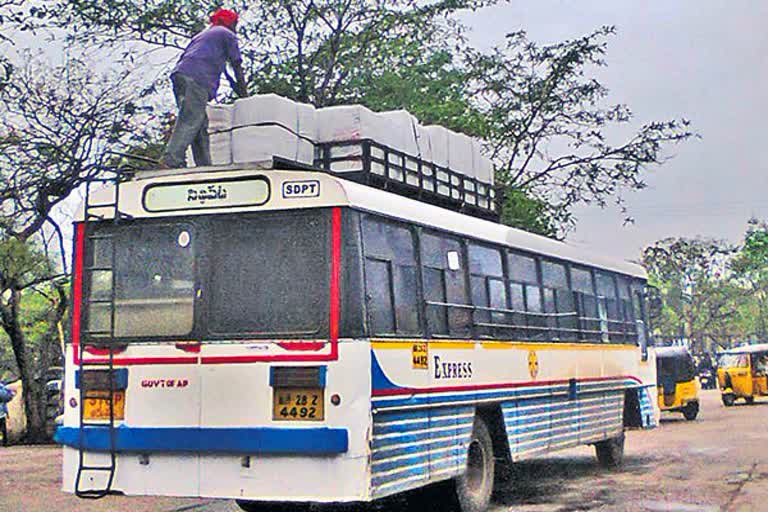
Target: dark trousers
(191, 128)
(4, 431)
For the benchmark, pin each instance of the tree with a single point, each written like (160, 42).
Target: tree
(310, 51)
(751, 268)
(33, 302)
(58, 125)
(701, 300)
(549, 129)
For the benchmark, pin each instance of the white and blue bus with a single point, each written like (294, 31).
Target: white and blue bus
(291, 336)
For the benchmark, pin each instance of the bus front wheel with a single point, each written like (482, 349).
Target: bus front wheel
(610, 453)
(474, 487)
(728, 399)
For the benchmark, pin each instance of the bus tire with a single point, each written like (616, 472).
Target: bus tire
(691, 410)
(749, 399)
(474, 487)
(728, 399)
(610, 453)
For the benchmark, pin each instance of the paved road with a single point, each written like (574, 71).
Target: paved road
(718, 463)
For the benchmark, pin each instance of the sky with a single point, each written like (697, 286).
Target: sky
(703, 60)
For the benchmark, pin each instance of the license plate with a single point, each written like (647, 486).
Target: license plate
(298, 404)
(96, 405)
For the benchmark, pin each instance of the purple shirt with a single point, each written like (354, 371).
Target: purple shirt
(206, 57)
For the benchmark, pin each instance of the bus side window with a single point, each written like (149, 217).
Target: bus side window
(390, 278)
(445, 289)
(642, 335)
(606, 287)
(558, 301)
(488, 290)
(626, 315)
(525, 292)
(586, 302)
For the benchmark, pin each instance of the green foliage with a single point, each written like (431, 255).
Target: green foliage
(707, 297)
(524, 212)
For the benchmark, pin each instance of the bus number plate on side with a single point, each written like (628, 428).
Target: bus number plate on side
(96, 405)
(298, 404)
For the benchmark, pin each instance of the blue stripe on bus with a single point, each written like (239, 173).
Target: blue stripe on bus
(469, 398)
(270, 440)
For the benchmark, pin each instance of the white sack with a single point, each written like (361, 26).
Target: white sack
(271, 109)
(348, 122)
(439, 139)
(424, 143)
(219, 117)
(258, 143)
(221, 148)
(483, 166)
(460, 154)
(400, 131)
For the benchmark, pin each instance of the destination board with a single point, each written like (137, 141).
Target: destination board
(221, 193)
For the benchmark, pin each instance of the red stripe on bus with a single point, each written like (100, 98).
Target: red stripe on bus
(301, 358)
(193, 348)
(308, 346)
(103, 351)
(77, 292)
(335, 275)
(482, 387)
(144, 360)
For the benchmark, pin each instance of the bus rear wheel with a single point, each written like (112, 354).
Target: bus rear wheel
(749, 399)
(474, 487)
(610, 453)
(691, 410)
(265, 506)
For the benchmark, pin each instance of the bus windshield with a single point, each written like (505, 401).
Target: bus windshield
(225, 277)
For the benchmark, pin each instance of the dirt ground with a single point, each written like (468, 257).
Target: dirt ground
(718, 463)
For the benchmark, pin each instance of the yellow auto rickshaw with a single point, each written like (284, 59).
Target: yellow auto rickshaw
(676, 381)
(743, 373)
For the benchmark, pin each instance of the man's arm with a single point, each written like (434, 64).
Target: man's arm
(236, 59)
(239, 86)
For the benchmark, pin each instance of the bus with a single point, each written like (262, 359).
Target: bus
(271, 335)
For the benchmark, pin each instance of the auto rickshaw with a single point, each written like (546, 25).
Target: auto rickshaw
(676, 381)
(743, 373)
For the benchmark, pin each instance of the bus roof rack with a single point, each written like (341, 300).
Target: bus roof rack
(370, 163)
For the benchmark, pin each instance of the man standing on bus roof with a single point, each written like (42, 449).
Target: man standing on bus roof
(196, 81)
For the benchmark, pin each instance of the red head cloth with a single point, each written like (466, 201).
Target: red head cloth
(224, 17)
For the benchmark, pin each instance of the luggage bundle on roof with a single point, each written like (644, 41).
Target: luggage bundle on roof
(390, 150)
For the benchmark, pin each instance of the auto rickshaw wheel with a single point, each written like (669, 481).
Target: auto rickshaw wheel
(728, 399)
(749, 399)
(610, 453)
(691, 410)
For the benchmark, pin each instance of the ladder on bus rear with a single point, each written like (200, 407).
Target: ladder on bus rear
(99, 339)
